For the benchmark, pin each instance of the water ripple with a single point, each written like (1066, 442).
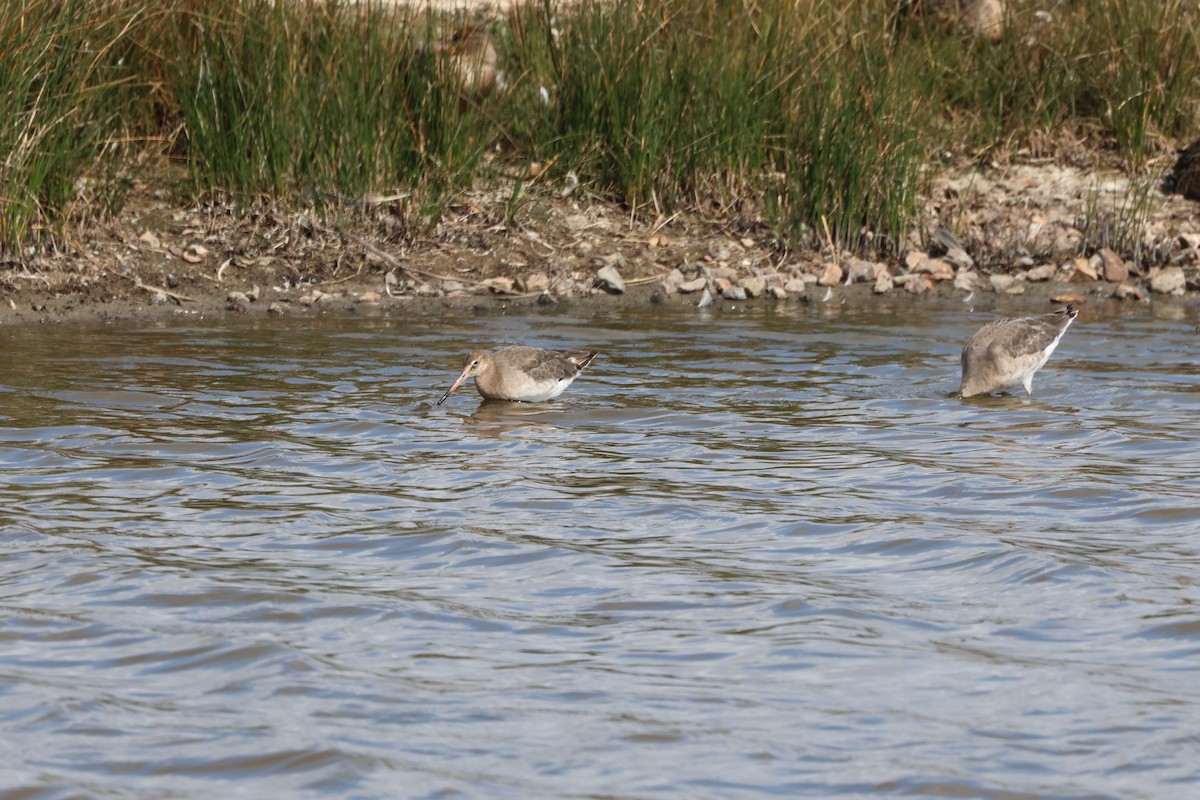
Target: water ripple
(762, 554)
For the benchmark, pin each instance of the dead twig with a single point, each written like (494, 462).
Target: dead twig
(178, 298)
(395, 262)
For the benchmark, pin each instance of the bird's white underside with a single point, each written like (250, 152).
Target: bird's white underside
(547, 394)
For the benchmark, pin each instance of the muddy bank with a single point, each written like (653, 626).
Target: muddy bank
(1017, 237)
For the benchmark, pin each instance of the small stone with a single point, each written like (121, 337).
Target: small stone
(275, 308)
(150, 239)
(831, 276)
(723, 271)
(392, 285)
(755, 287)
(722, 284)
(670, 283)
(1170, 280)
(1070, 297)
(965, 280)
(747, 243)
(311, 298)
(535, 282)
(915, 259)
(694, 285)
(1190, 240)
(883, 283)
(1038, 274)
(917, 284)
(370, 298)
(734, 293)
(237, 301)
(1114, 267)
(159, 298)
(1001, 283)
(860, 270)
(1016, 288)
(610, 280)
(795, 286)
(938, 269)
(1127, 291)
(500, 285)
(778, 292)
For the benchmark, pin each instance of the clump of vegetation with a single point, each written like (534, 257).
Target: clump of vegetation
(821, 118)
(61, 107)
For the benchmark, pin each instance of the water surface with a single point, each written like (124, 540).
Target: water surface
(746, 554)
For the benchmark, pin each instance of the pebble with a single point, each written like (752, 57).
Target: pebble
(1114, 267)
(1076, 299)
(795, 286)
(499, 285)
(237, 301)
(608, 279)
(1038, 274)
(734, 293)
(694, 285)
(1170, 280)
(754, 287)
(938, 269)
(1001, 283)
(965, 280)
(917, 284)
(778, 292)
(1084, 271)
(883, 283)
(1127, 291)
(860, 270)
(535, 282)
(831, 276)
(275, 308)
(370, 298)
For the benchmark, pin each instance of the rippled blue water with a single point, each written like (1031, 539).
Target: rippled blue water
(745, 554)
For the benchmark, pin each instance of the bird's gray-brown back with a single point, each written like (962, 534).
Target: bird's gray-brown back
(1022, 336)
(542, 365)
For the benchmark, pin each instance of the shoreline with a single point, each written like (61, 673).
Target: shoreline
(1009, 238)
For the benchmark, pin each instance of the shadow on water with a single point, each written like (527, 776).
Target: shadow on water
(763, 552)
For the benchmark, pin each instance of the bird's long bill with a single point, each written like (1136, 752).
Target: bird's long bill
(461, 380)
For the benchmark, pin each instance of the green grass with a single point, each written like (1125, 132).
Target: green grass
(278, 96)
(821, 120)
(60, 103)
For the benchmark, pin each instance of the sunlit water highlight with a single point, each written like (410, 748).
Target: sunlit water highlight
(744, 554)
